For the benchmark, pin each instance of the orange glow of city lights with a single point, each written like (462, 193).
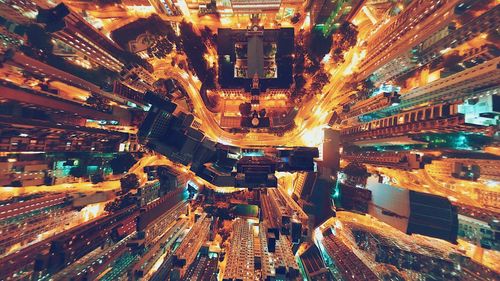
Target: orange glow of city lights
(92, 211)
(313, 137)
(356, 58)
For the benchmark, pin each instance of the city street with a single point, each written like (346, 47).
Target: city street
(83, 187)
(249, 140)
(308, 131)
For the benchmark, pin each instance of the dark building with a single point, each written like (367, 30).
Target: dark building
(327, 15)
(265, 52)
(170, 134)
(255, 172)
(76, 34)
(354, 198)
(297, 159)
(314, 266)
(408, 94)
(296, 232)
(331, 149)
(433, 216)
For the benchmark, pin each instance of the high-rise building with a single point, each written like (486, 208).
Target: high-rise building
(255, 6)
(21, 11)
(328, 15)
(217, 139)
(400, 32)
(257, 254)
(188, 249)
(82, 39)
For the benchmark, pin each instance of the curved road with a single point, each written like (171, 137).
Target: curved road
(312, 116)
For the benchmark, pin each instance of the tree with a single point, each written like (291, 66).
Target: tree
(128, 182)
(322, 77)
(214, 100)
(245, 109)
(338, 55)
(346, 36)
(161, 48)
(262, 113)
(122, 163)
(195, 49)
(316, 87)
(299, 62)
(318, 45)
(97, 178)
(344, 39)
(38, 38)
(209, 81)
(16, 183)
(355, 170)
(300, 81)
(312, 67)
